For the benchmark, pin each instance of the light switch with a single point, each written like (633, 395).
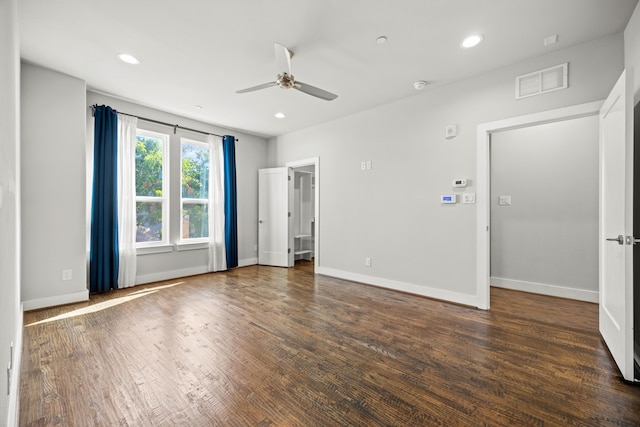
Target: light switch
(504, 200)
(468, 198)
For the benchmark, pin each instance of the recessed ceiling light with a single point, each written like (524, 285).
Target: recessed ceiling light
(199, 107)
(279, 115)
(472, 41)
(381, 40)
(129, 59)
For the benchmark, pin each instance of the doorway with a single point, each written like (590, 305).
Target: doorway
(483, 212)
(544, 208)
(306, 211)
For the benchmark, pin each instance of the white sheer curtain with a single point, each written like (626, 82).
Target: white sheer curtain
(217, 253)
(127, 126)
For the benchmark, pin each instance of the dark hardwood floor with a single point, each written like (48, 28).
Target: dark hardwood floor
(262, 346)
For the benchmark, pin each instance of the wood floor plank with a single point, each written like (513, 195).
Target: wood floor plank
(263, 346)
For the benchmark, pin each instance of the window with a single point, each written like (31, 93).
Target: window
(152, 194)
(194, 196)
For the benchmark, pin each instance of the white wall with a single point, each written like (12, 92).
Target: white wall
(546, 241)
(392, 213)
(10, 312)
(632, 49)
(53, 187)
(251, 155)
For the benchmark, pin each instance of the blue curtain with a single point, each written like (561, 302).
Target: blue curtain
(230, 200)
(103, 255)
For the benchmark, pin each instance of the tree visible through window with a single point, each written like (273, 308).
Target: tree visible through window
(195, 189)
(151, 195)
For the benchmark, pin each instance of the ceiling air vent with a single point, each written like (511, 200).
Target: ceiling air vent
(542, 81)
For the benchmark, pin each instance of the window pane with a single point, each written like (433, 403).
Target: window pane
(195, 171)
(195, 220)
(149, 221)
(148, 166)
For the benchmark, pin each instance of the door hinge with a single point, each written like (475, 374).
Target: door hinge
(289, 214)
(288, 250)
(289, 177)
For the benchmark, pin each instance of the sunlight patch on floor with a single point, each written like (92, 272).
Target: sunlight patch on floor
(105, 305)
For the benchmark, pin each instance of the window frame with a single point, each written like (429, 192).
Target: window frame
(193, 201)
(165, 189)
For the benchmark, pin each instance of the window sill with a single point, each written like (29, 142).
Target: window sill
(148, 250)
(191, 246)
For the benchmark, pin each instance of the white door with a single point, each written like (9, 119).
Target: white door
(275, 196)
(616, 225)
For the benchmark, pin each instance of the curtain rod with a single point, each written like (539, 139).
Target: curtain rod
(175, 127)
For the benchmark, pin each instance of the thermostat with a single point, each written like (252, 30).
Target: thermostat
(459, 183)
(448, 198)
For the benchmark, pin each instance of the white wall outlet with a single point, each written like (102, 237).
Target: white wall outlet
(363, 166)
(468, 198)
(368, 164)
(367, 262)
(504, 200)
(67, 274)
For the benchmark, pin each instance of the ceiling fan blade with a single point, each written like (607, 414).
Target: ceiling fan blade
(314, 91)
(262, 86)
(283, 59)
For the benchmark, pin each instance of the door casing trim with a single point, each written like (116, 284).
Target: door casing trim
(483, 205)
(313, 161)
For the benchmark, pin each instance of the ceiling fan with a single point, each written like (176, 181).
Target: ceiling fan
(286, 80)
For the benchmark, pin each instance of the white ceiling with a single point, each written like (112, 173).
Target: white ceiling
(199, 52)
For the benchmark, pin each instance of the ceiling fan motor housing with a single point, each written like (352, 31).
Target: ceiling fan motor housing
(285, 81)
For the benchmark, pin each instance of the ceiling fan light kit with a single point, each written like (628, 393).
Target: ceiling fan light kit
(285, 79)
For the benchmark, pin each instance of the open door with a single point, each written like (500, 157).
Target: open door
(616, 225)
(275, 198)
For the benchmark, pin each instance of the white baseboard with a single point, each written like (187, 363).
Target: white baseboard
(246, 262)
(35, 304)
(184, 272)
(411, 288)
(546, 289)
(12, 417)
(171, 274)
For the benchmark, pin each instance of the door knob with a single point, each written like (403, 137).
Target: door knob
(619, 239)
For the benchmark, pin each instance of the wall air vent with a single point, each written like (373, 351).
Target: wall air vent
(542, 81)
